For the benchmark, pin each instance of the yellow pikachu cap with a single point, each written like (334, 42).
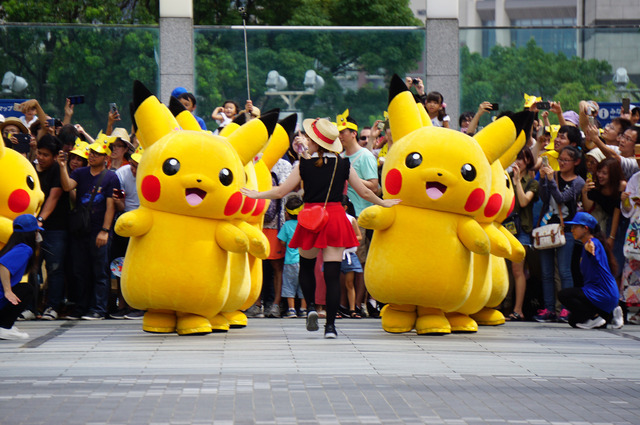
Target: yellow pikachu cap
(137, 155)
(530, 100)
(102, 143)
(342, 123)
(81, 149)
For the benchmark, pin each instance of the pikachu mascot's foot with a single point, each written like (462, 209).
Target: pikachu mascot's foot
(192, 324)
(236, 319)
(461, 322)
(489, 317)
(398, 318)
(432, 321)
(159, 321)
(219, 323)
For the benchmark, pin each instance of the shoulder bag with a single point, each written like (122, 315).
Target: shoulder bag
(551, 235)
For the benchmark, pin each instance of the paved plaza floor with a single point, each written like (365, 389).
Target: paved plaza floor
(275, 372)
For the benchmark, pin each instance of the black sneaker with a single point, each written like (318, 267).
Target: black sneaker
(330, 332)
(118, 315)
(72, 315)
(134, 315)
(93, 316)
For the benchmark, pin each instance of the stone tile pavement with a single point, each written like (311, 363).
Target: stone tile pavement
(275, 372)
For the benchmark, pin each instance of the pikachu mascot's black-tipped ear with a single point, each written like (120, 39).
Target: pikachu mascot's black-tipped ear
(154, 120)
(185, 118)
(404, 114)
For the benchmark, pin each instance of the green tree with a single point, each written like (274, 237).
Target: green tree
(335, 55)
(510, 72)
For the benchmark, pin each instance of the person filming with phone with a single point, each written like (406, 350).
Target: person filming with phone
(89, 246)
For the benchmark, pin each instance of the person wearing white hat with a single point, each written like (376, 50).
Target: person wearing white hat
(323, 175)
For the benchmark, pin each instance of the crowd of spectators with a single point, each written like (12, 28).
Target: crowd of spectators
(574, 167)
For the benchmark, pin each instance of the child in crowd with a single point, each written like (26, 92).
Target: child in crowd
(436, 108)
(18, 257)
(290, 284)
(225, 114)
(596, 303)
(350, 262)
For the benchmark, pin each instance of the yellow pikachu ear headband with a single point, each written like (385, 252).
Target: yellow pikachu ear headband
(530, 100)
(342, 123)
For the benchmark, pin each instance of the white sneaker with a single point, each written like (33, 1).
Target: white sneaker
(592, 323)
(618, 321)
(27, 315)
(49, 314)
(12, 333)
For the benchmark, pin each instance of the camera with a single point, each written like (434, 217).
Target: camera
(415, 81)
(543, 106)
(51, 122)
(76, 100)
(495, 107)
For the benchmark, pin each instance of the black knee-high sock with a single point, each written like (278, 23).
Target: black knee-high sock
(307, 280)
(332, 280)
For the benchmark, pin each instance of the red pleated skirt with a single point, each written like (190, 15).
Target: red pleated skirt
(338, 231)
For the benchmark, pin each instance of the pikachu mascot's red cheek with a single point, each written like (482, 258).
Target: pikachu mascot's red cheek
(20, 191)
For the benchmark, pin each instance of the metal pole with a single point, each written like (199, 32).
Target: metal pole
(246, 51)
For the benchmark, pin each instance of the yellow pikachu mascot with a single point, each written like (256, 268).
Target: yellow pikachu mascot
(497, 270)
(277, 147)
(20, 191)
(501, 200)
(176, 266)
(420, 259)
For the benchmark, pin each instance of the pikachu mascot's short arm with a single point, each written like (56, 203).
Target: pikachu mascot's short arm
(377, 218)
(134, 223)
(473, 236)
(231, 238)
(258, 243)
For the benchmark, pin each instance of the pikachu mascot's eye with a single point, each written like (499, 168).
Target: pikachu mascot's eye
(413, 160)
(171, 166)
(31, 182)
(468, 172)
(225, 176)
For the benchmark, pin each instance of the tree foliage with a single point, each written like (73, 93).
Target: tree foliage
(101, 62)
(509, 72)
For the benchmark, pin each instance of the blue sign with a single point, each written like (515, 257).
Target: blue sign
(6, 107)
(608, 111)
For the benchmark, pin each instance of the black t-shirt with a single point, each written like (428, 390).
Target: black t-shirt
(49, 179)
(316, 180)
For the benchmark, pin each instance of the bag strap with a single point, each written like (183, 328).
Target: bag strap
(559, 205)
(93, 192)
(331, 184)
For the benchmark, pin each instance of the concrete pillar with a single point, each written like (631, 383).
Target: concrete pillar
(503, 37)
(176, 47)
(443, 56)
